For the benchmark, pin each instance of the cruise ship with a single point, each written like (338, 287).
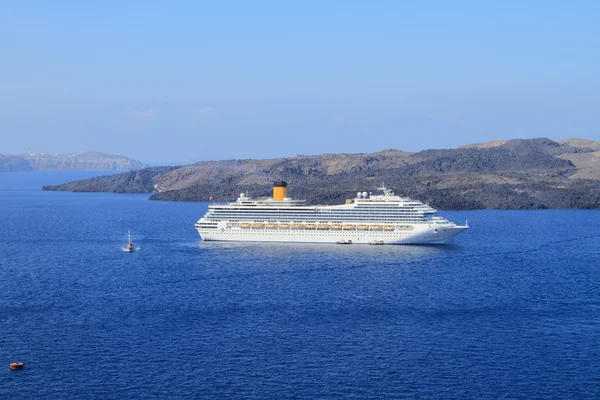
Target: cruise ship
(383, 218)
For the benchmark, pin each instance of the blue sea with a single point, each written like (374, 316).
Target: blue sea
(510, 310)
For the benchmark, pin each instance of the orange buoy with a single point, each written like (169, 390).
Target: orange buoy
(16, 365)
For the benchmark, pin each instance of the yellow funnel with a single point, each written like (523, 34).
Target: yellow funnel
(280, 190)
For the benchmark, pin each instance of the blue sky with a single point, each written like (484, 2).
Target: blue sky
(183, 81)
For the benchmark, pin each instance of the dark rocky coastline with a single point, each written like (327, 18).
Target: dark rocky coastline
(516, 174)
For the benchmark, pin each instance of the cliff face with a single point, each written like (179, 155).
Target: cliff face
(82, 161)
(293, 169)
(518, 174)
(139, 181)
(10, 163)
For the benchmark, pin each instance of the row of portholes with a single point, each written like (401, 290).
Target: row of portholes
(311, 233)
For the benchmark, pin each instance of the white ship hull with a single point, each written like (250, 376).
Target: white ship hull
(419, 235)
(376, 219)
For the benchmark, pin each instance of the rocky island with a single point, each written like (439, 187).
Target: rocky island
(81, 161)
(515, 174)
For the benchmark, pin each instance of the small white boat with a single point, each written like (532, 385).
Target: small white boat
(129, 248)
(376, 242)
(344, 241)
(16, 365)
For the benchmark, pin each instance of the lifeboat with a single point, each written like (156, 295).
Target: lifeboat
(16, 365)
(389, 227)
(323, 226)
(375, 227)
(271, 226)
(258, 225)
(376, 242)
(336, 226)
(349, 226)
(244, 225)
(309, 226)
(362, 227)
(284, 226)
(297, 226)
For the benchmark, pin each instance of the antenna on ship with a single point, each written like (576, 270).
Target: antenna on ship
(386, 192)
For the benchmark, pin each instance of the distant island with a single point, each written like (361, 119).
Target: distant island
(514, 174)
(82, 161)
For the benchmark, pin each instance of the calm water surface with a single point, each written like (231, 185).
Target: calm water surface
(510, 310)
